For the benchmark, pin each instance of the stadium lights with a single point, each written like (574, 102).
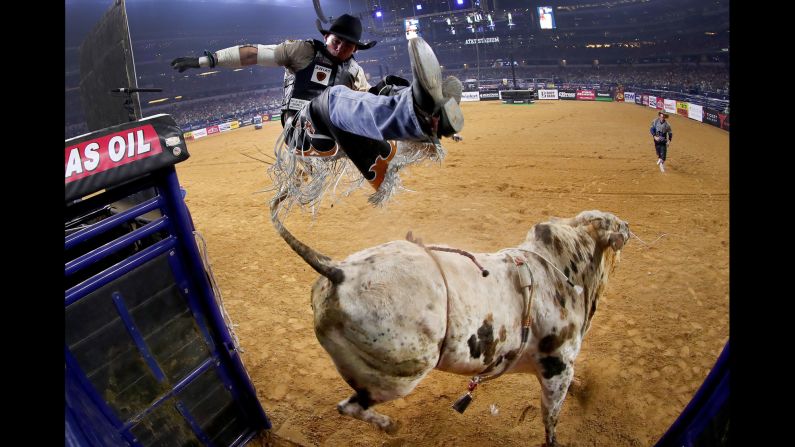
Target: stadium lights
(378, 14)
(419, 7)
(238, 69)
(154, 101)
(178, 97)
(460, 2)
(208, 73)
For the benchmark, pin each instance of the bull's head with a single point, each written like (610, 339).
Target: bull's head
(606, 228)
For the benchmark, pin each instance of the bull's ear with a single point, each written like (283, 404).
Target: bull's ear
(616, 241)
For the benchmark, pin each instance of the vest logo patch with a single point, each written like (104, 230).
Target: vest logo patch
(297, 104)
(321, 75)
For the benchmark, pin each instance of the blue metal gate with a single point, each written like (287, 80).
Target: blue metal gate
(149, 358)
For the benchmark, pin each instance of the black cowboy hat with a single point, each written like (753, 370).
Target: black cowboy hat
(349, 28)
(660, 112)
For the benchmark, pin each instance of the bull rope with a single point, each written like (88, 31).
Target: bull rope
(527, 286)
(577, 288)
(418, 241)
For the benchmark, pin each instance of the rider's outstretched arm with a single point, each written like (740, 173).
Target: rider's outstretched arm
(288, 54)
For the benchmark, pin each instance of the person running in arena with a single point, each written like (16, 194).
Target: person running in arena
(662, 134)
(329, 105)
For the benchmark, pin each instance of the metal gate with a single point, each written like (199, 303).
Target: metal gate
(149, 358)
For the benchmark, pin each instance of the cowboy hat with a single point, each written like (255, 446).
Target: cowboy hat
(349, 28)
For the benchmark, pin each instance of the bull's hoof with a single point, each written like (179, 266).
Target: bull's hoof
(392, 427)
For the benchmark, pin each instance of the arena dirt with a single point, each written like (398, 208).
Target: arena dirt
(657, 332)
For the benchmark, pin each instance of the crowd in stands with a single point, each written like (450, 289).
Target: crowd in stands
(203, 112)
(703, 79)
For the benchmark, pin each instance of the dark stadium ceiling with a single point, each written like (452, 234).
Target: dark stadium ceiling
(607, 21)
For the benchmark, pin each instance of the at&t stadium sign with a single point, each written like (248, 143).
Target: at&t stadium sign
(482, 40)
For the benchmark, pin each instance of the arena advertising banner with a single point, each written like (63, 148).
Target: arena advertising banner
(199, 133)
(604, 96)
(681, 108)
(586, 95)
(274, 117)
(119, 153)
(567, 94)
(212, 129)
(711, 117)
(187, 135)
(489, 95)
(645, 100)
(660, 103)
(669, 106)
(547, 94)
(652, 102)
(235, 124)
(224, 127)
(695, 112)
(470, 96)
(108, 151)
(724, 121)
(639, 100)
(629, 96)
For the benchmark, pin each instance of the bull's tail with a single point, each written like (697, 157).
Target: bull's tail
(318, 261)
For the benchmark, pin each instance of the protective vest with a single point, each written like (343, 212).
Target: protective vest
(304, 85)
(660, 129)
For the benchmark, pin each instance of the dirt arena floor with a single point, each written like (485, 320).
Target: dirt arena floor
(657, 332)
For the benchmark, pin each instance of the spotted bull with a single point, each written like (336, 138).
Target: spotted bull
(389, 314)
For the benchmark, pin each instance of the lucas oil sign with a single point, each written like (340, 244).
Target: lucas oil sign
(123, 152)
(109, 151)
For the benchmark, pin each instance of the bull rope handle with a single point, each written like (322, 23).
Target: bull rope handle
(418, 241)
(483, 271)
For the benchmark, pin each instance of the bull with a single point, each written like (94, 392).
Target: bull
(390, 314)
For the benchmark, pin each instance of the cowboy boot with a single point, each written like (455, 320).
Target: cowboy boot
(438, 116)
(307, 135)
(452, 88)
